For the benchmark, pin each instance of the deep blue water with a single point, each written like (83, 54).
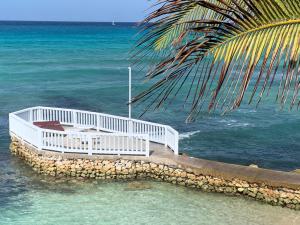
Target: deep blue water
(84, 66)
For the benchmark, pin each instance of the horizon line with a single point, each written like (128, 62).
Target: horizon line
(68, 21)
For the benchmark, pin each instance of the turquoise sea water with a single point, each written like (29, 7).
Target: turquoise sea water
(84, 66)
(28, 199)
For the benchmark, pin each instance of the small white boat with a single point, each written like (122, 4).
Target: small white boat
(113, 23)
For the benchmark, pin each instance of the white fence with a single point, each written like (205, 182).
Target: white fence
(125, 136)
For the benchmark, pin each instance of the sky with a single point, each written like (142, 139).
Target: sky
(74, 10)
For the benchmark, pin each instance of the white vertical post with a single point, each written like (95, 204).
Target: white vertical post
(38, 112)
(40, 139)
(147, 146)
(98, 122)
(30, 115)
(129, 102)
(166, 137)
(41, 114)
(176, 150)
(74, 118)
(90, 145)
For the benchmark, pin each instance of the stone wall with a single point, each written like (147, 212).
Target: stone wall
(118, 168)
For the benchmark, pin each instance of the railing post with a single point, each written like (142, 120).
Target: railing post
(166, 138)
(90, 145)
(176, 149)
(147, 146)
(30, 115)
(98, 122)
(40, 139)
(38, 114)
(130, 127)
(74, 118)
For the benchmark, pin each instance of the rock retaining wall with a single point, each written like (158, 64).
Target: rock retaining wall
(118, 168)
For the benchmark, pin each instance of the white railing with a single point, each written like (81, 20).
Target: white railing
(91, 143)
(23, 129)
(128, 136)
(172, 138)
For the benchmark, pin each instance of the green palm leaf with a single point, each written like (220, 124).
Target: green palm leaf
(228, 47)
(173, 31)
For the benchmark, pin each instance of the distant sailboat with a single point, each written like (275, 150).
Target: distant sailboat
(113, 23)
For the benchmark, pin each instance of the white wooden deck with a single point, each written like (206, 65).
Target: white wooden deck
(91, 133)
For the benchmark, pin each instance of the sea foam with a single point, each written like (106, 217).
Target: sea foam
(188, 134)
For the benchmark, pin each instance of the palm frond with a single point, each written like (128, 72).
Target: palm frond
(175, 30)
(244, 42)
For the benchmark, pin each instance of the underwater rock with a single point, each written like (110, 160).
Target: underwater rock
(137, 186)
(297, 171)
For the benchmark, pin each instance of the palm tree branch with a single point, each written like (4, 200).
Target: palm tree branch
(255, 36)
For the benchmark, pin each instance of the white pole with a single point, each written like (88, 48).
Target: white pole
(129, 102)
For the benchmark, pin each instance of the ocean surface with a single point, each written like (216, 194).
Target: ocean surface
(84, 66)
